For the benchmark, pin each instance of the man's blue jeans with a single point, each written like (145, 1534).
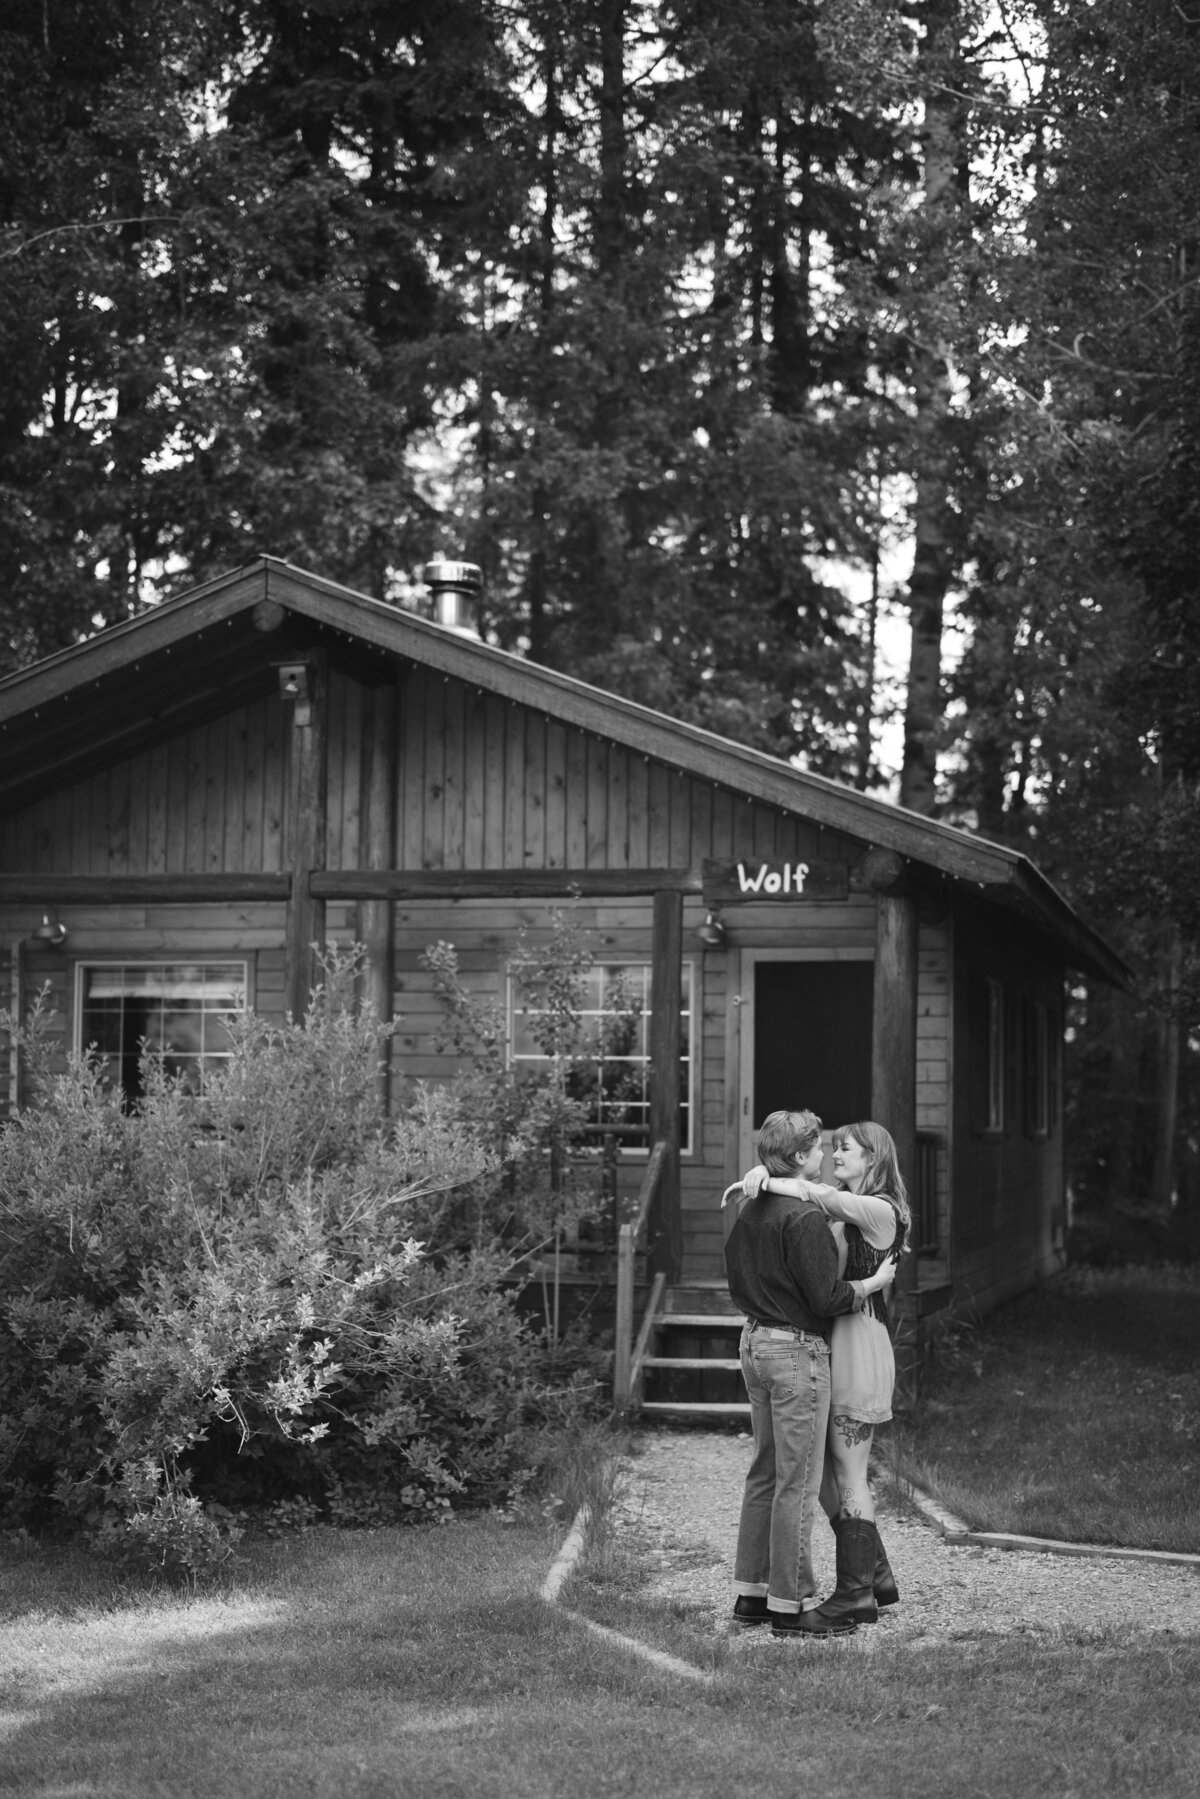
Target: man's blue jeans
(787, 1378)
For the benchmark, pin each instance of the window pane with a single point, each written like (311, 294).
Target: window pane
(180, 1009)
(615, 1039)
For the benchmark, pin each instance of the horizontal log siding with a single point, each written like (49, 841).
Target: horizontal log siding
(483, 933)
(142, 934)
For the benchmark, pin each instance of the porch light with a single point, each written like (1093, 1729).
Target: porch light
(52, 932)
(712, 931)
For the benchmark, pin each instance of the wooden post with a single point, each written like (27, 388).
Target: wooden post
(894, 1086)
(16, 1008)
(666, 998)
(623, 1325)
(307, 784)
(374, 927)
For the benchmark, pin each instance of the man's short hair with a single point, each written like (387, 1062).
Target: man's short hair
(785, 1138)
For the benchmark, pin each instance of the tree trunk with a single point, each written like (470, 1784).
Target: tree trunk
(1162, 1183)
(933, 561)
(610, 219)
(538, 581)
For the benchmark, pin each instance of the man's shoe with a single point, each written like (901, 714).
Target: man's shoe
(750, 1608)
(810, 1624)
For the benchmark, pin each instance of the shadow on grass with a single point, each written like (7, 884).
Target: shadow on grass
(325, 1651)
(420, 1664)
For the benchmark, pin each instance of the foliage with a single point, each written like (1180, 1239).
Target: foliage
(671, 317)
(535, 1117)
(256, 1293)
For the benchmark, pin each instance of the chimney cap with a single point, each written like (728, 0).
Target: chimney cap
(465, 577)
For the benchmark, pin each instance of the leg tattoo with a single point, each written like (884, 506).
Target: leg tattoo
(851, 1430)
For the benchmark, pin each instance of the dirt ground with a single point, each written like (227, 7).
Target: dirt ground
(678, 1505)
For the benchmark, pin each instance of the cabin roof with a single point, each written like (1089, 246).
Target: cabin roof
(219, 645)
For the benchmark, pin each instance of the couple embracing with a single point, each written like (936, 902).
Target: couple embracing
(818, 1365)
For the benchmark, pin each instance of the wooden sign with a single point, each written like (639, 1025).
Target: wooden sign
(730, 883)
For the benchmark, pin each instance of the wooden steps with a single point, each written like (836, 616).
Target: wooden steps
(701, 1321)
(692, 1369)
(724, 1410)
(706, 1364)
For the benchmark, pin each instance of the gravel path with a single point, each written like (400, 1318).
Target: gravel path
(678, 1509)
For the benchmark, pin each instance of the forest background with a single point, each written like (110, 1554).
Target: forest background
(723, 334)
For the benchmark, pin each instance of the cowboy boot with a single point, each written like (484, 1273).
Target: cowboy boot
(852, 1600)
(884, 1583)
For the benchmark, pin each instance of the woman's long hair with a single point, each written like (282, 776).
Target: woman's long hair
(883, 1176)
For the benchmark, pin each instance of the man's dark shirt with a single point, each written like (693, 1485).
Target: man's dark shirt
(782, 1264)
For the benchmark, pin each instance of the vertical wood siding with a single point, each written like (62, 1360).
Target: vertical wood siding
(935, 1049)
(207, 801)
(1007, 1185)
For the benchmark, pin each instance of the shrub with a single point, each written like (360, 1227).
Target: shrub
(260, 1294)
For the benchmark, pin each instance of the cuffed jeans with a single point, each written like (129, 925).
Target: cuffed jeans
(787, 1378)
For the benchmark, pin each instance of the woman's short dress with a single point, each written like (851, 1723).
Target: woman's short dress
(862, 1367)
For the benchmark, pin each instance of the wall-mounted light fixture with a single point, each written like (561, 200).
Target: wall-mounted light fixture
(51, 932)
(712, 931)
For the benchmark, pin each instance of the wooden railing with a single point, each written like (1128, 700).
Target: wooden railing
(629, 1356)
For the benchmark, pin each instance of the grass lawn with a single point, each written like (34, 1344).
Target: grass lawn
(422, 1663)
(1072, 1412)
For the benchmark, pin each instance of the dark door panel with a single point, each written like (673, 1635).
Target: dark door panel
(812, 1039)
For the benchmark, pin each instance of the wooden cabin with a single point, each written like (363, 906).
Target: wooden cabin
(191, 799)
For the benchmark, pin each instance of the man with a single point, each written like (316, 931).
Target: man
(782, 1266)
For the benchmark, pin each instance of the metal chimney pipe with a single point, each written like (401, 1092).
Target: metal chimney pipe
(454, 588)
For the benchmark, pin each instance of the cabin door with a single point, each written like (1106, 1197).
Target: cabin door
(805, 1039)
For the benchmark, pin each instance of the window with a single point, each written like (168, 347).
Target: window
(179, 1008)
(615, 1082)
(995, 1056)
(1041, 1114)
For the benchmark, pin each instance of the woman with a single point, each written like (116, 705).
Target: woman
(870, 1214)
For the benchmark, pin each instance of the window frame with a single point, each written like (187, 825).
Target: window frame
(689, 1146)
(88, 964)
(1041, 1085)
(996, 1049)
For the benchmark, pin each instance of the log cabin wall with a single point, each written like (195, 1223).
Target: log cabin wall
(935, 1062)
(486, 783)
(210, 800)
(481, 783)
(483, 933)
(1008, 1165)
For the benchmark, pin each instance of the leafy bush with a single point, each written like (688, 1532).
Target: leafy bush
(531, 1118)
(259, 1295)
